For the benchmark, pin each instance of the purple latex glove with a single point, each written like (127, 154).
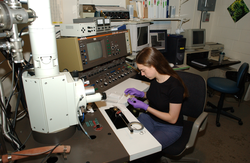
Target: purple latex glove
(135, 92)
(138, 104)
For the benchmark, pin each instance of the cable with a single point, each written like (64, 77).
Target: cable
(12, 83)
(50, 153)
(6, 75)
(16, 109)
(5, 54)
(201, 18)
(3, 61)
(26, 140)
(20, 34)
(8, 135)
(79, 121)
(11, 134)
(8, 121)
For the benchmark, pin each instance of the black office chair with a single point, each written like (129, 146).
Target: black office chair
(227, 86)
(195, 117)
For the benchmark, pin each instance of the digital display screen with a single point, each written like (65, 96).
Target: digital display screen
(99, 21)
(142, 35)
(94, 50)
(198, 37)
(107, 21)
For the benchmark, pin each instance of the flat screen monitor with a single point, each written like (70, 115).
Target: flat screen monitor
(195, 38)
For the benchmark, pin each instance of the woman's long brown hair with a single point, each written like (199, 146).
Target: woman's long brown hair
(150, 56)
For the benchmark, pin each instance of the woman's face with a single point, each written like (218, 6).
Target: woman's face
(148, 72)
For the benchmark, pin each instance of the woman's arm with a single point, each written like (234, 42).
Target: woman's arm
(171, 117)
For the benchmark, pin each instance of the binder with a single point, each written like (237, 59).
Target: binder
(150, 8)
(164, 8)
(160, 9)
(155, 9)
(145, 4)
(167, 8)
(139, 9)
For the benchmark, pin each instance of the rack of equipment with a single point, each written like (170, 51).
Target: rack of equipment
(99, 59)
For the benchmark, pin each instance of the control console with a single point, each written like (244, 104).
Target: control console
(109, 74)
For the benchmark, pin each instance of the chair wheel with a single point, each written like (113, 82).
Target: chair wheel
(218, 124)
(240, 122)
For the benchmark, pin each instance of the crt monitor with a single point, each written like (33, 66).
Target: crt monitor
(195, 38)
(139, 34)
(95, 50)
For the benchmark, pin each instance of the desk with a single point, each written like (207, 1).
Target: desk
(133, 143)
(214, 65)
(205, 72)
(109, 144)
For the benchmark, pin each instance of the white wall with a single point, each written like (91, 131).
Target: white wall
(234, 36)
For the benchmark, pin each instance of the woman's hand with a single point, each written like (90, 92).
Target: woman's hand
(135, 92)
(137, 104)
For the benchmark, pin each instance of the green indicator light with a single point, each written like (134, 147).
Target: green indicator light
(91, 123)
(96, 121)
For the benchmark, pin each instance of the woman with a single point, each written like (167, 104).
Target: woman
(163, 118)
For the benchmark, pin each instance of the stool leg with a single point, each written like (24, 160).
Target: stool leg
(219, 108)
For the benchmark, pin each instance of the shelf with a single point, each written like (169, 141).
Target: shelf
(163, 19)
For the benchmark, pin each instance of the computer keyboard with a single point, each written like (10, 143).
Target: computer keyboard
(197, 63)
(202, 62)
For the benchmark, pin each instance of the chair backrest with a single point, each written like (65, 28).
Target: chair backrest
(242, 74)
(194, 104)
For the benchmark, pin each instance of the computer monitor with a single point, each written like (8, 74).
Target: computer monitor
(195, 38)
(159, 39)
(139, 34)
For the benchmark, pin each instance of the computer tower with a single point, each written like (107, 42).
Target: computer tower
(175, 49)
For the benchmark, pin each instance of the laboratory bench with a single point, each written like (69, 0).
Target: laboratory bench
(111, 140)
